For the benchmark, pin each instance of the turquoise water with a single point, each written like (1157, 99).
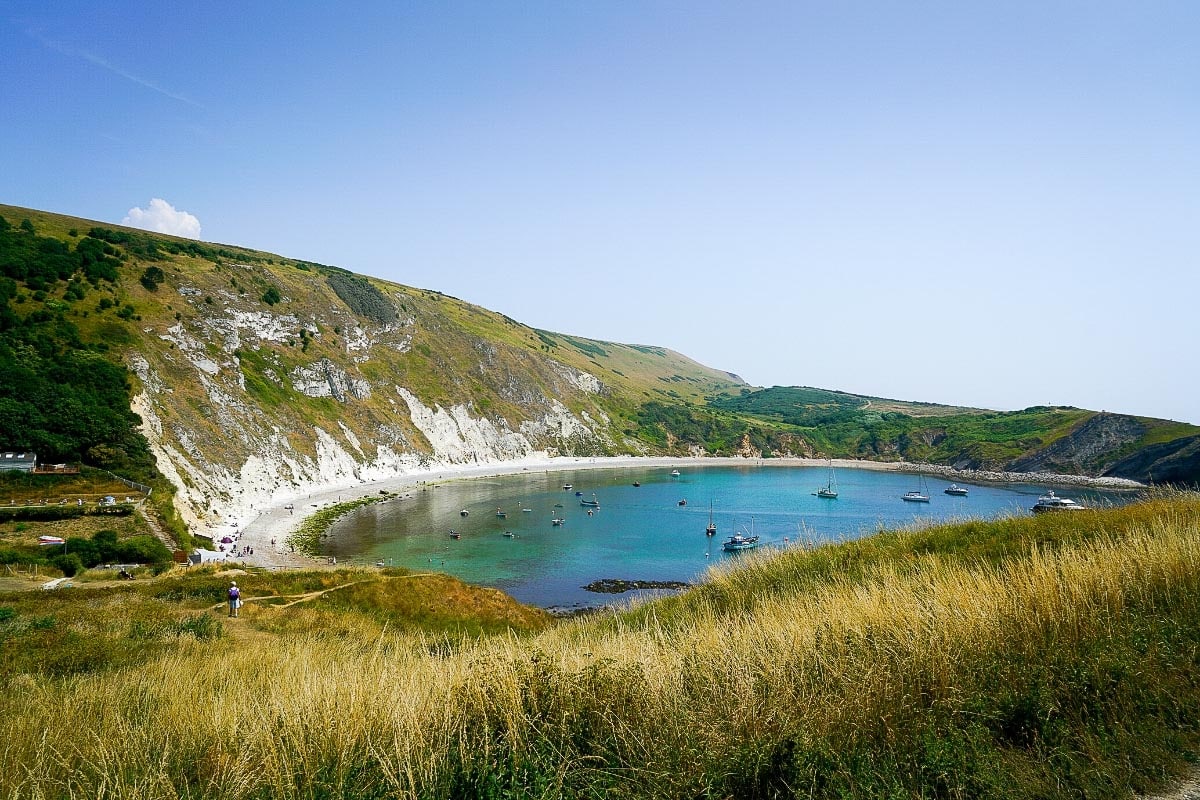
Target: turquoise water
(642, 533)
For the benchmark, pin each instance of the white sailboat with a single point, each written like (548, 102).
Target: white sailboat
(829, 490)
(919, 495)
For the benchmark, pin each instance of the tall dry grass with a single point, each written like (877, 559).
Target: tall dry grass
(1067, 670)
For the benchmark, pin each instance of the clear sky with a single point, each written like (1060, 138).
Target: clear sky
(989, 204)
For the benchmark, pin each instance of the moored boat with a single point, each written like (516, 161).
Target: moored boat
(711, 530)
(674, 473)
(955, 489)
(557, 521)
(593, 503)
(739, 542)
(829, 490)
(920, 495)
(1052, 502)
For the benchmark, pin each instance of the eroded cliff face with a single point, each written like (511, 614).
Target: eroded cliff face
(244, 406)
(1091, 449)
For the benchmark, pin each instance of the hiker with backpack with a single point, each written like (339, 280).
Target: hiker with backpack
(235, 599)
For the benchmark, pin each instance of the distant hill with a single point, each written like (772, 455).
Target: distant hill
(235, 376)
(1040, 439)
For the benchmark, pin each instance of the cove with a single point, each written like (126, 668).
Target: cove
(642, 532)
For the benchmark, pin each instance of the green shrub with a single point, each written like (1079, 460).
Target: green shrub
(68, 563)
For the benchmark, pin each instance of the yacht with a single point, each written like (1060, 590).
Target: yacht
(829, 490)
(919, 495)
(1052, 502)
(955, 489)
(739, 542)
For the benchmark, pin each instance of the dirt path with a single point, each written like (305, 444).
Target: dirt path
(301, 598)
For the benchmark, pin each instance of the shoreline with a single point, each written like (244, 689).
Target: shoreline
(268, 531)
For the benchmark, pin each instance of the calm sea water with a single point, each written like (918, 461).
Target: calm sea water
(642, 533)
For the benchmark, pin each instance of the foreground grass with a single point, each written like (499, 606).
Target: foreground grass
(1034, 657)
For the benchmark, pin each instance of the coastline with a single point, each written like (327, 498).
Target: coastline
(268, 531)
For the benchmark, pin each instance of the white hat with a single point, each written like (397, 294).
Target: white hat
(233, 583)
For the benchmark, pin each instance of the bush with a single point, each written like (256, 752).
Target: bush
(68, 563)
(271, 296)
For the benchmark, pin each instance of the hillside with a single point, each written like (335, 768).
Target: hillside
(236, 378)
(257, 376)
(1061, 440)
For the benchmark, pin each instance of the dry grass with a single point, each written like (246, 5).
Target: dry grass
(1068, 669)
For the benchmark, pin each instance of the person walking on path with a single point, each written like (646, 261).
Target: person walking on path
(235, 599)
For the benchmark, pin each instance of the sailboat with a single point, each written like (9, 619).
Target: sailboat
(593, 503)
(919, 495)
(829, 490)
(711, 530)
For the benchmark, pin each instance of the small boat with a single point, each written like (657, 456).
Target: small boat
(463, 513)
(501, 514)
(741, 541)
(955, 489)
(455, 535)
(579, 494)
(637, 483)
(558, 505)
(920, 495)
(1052, 502)
(593, 503)
(711, 530)
(674, 473)
(683, 502)
(829, 490)
(567, 487)
(526, 510)
(557, 521)
(508, 534)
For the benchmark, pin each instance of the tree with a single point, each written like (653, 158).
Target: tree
(271, 296)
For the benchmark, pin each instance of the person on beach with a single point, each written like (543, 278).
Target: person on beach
(235, 599)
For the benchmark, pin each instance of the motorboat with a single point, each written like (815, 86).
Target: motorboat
(463, 513)
(637, 483)
(508, 534)
(567, 487)
(501, 514)
(674, 473)
(955, 489)
(579, 494)
(683, 502)
(557, 521)
(739, 542)
(593, 503)
(455, 535)
(1052, 502)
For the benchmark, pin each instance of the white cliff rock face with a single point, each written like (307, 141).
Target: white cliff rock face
(230, 455)
(326, 379)
(456, 437)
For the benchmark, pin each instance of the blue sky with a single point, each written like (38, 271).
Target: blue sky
(985, 204)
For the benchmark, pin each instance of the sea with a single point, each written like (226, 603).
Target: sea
(649, 525)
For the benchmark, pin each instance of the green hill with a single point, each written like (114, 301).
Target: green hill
(230, 376)
(1059, 439)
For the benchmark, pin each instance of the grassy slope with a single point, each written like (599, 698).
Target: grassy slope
(841, 424)
(442, 366)
(1048, 656)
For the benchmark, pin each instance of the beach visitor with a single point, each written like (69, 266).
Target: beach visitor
(235, 599)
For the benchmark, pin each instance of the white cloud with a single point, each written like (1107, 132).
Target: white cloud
(163, 217)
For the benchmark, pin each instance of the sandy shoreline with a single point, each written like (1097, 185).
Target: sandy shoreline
(267, 532)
